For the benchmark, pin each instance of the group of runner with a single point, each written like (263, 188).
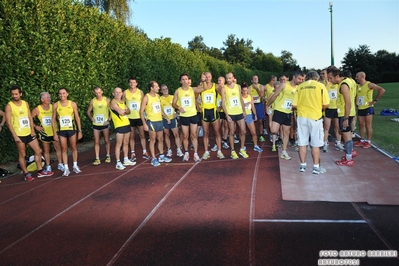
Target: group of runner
(225, 106)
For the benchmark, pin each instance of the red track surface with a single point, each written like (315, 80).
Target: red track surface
(216, 212)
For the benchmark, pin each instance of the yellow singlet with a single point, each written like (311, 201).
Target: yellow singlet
(166, 105)
(153, 108)
(233, 102)
(133, 102)
(20, 119)
(66, 117)
(186, 100)
(100, 111)
(117, 119)
(46, 117)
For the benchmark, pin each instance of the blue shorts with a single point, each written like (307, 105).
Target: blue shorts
(155, 126)
(172, 125)
(260, 110)
(249, 119)
(366, 112)
(122, 130)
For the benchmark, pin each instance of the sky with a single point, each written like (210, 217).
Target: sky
(300, 27)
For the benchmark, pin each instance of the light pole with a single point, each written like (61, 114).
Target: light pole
(332, 34)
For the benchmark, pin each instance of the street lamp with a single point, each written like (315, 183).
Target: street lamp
(332, 34)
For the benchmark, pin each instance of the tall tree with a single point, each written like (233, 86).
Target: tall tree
(238, 51)
(289, 63)
(360, 59)
(118, 9)
(197, 44)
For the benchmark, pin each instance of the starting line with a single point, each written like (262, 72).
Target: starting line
(307, 221)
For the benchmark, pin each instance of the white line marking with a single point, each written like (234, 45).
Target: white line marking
(307, 221)
(65, 210)
(143, 223)
(251, 213)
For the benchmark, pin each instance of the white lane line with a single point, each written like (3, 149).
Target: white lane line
(307, 221)
(143, 223)
(251, 213)
(67, 209)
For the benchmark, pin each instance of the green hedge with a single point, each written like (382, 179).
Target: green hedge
(49, 44)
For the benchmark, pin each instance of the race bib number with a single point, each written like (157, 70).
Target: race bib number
(66, 121)
(99, 119)
(256, 99)
(360, 100)
(209, 98)
(287, 104)
(247, 105)
(219, 103)
(24, 122)
(46, 121)
(186, 102)
(234, 102)
(168, 110)
(333, 94)
(134, 106)
(156, 107)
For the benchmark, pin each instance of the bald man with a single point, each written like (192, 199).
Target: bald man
(365, 102)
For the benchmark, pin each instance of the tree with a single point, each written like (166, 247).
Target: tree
(216, 53)
(289, 63)
(197, 44)
(360, 59)
(237, 51)
(118, 9)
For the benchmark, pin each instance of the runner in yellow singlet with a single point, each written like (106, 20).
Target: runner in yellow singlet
(152, 121)
(366, 102)
(66, 124)
(119, 113)
(20, 123)
(282, 99)
(184, 101)
(210, 116)
(133, 97)
(344, 108)
(166, 105)
(98, 113)
(234, 108)
(44, 114)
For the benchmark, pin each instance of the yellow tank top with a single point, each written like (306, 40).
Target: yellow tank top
(333, 94)
(341, 101)
(247, 104)
(166, 105)
(100, 111)
(117, 119)
(46, 117)
(208, 98)
(66, 117)
(255, 94)
(153, 108)
(269, 90)
(133, 102)
(233, 102)
(283, 102)
(364, 96)
(20, 119)
(186, 100)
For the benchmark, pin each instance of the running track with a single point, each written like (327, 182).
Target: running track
(216, 212)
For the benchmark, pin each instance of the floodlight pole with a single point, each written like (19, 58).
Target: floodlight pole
(332, 33)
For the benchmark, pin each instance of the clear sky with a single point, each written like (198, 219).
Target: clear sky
(300, 27)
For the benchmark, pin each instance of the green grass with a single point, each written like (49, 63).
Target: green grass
(385, 131)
